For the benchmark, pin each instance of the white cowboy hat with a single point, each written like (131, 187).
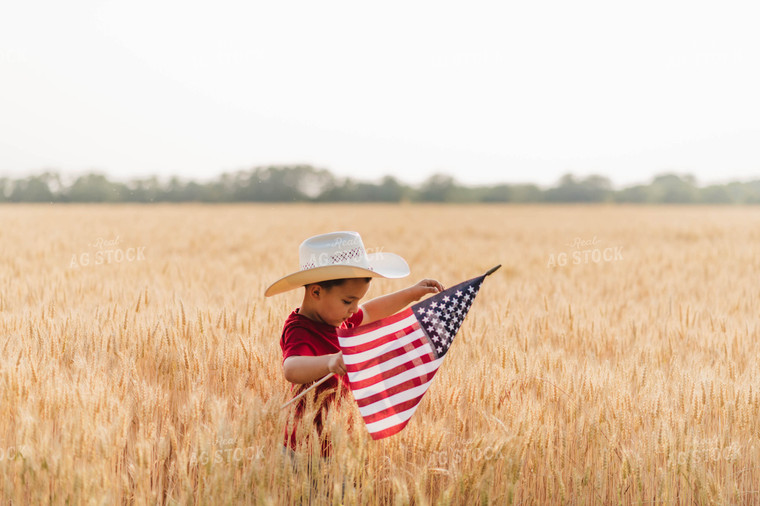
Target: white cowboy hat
(338, 255)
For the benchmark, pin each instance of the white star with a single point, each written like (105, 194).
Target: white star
(425, 320)
(435, 338)
(430, 329)
(470, 289)
(466, 297)
(434, 304)
(459, 293)
(446, 298)
(438, 313)
(440, 349)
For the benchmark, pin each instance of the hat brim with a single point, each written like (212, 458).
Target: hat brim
(389, 265)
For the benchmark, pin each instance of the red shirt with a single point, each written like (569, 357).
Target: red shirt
(303, 337)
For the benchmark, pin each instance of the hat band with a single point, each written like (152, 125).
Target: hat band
(352, 256)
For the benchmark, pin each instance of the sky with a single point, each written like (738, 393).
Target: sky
(484, 91)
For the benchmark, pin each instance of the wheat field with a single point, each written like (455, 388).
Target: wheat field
(140, 362)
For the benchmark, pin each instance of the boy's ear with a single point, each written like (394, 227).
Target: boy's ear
(314, 291)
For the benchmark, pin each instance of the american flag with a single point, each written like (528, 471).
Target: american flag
(391, 362)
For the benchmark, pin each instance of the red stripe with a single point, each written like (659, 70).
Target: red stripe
(350, 350)
(363, 329)
(388, 355)
(380, 434)
(393, 410)
(401, 387)
(424, 359)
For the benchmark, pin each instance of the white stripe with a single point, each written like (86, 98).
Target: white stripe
(391, 421)
(357, 358)
(415, 372)
(367, 373)
(394, 399)
(377, 333)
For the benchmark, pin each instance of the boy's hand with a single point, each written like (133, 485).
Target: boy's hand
(386, 305)
(335, 364)
(425, 287)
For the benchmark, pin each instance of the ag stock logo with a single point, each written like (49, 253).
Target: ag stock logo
(585, 251)
(107, 251)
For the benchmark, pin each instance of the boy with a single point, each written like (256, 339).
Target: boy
(336, 273)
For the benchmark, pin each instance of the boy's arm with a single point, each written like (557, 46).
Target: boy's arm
(306, 369)
(387, 305)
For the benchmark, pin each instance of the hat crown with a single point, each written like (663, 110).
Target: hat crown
(335, 248)
(339, 255)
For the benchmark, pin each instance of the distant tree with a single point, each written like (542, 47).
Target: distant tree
(714, 194)
(497, 193)
(738, 192)
(633, 194)
(673, 189)
(524, 193)
(437, 188)
(391, 190)
(5, 185)
(592, 189)
(95, 188)
(306, 183)
(282, 183)
(350, 190)
(752, 192)
(341, 190)
(144, 190)
(175, 190)
(33, 189)
(744, 193)
(222, 189)
(597, 188)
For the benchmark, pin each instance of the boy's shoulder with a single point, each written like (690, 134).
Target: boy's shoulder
(293, 321)
(296, 320)
(298, 336)
(296, 323)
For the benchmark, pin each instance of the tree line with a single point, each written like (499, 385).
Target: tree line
(304, 183)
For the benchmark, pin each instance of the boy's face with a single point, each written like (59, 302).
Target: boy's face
(337, 304)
